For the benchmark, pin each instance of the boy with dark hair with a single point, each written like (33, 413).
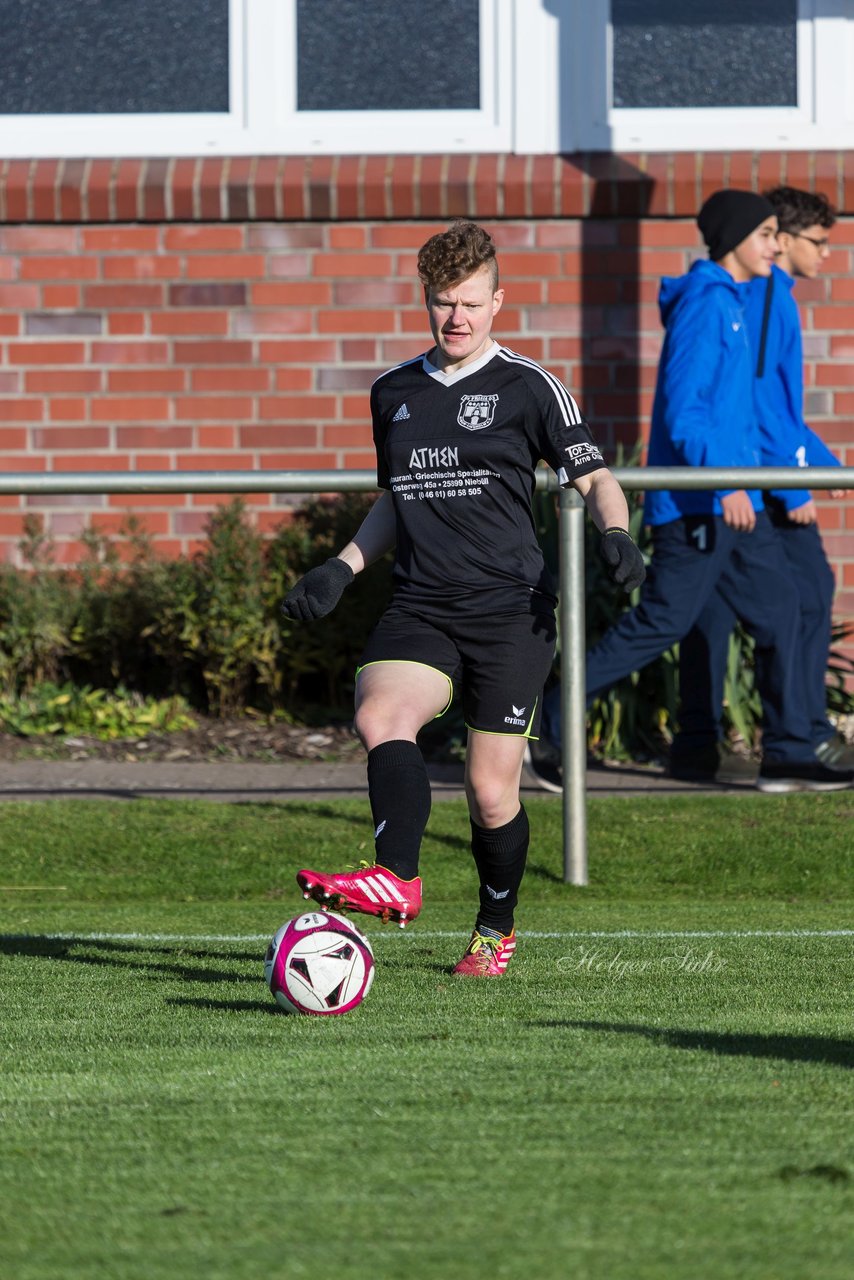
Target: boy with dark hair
(459, 432)
(706, 541)
(774, 331)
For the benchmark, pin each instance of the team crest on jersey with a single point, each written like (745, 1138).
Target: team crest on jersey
(476, 412)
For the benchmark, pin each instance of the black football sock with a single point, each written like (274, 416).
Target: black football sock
(500, 854)
(399, 791)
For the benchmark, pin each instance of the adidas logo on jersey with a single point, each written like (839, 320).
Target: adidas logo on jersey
(401, 415)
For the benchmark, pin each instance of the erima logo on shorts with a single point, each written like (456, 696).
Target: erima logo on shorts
(518, 712)
(476, 412)
(581, 453)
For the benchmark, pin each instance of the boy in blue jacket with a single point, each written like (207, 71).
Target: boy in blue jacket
(708, 541)
(774, 331)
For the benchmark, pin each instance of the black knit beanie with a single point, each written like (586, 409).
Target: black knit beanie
(729, 216)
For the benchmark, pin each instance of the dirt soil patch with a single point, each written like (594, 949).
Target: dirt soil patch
(212, 739)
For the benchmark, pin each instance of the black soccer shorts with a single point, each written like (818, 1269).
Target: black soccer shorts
(499, 664)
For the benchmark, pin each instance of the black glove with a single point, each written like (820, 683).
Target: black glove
(623, 559)
(318, 591)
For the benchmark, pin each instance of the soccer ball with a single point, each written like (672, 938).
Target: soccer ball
(319, 963)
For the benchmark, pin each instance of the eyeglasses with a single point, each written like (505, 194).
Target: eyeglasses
(819, 244)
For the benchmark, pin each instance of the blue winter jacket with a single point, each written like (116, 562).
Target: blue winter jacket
(703, 413)
(785, 439)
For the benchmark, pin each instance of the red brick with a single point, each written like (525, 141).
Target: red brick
(204, 239)
(13, 437)
(47, 239)
(17, 180)
(89, 461)
(289, 266)
(241, 266)
(835, 375)
(19, 296)
(290, 321)
(264, 191)
(61, 295)
(298, 406)
(22, 410)
(833, 317)
(213, 352)
(120, 239)
(272, 436)
(374, 265)
(216, 407)
(230, 379)
(138, 409)
(360, 349)
(46, 352)
(141, 267)
(362, 321)
(307, 293)
(51, 380)
(129, 380)
(108, 296)
(346, 188)
(43, 185)
(293, 379)
(130, 352)
(347, 436)
(68, 409)
(346, 237)
(299, 350)
(212, 323)
(122, 323)
(70, 438)
(216, 437)
(150, 437)
(65, 268)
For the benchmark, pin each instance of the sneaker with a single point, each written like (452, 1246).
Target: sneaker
(713, 763)
(486, 956)
(543, 762)
(812, 775)
(374, 890)
(836, 753)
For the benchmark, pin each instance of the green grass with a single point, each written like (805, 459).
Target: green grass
(627, 1104)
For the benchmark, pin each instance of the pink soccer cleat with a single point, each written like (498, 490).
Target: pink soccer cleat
(375, 891)
(486, 957)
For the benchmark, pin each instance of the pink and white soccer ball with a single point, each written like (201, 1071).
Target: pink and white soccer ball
(319, 963)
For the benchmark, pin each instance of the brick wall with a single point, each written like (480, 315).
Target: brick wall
(194, 315)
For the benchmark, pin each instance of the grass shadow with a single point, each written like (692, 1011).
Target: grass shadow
(127, 955)
(825, 1049)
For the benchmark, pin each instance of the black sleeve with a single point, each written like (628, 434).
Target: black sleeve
(565, 439)
(383, 476)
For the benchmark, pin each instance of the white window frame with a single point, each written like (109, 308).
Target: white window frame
(545, 80)
(143, 134)
(823, 119)
(263, 119)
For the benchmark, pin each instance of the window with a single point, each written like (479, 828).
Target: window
(195, 77)
(721, 75)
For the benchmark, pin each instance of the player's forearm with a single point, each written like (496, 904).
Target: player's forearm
(604, 500)
(377, 534)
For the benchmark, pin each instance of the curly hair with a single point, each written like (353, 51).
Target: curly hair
(796, 209)
(455, 254)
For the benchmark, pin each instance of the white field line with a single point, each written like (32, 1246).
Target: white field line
(562, 935)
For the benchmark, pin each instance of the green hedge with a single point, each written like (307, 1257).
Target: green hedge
(209, 629)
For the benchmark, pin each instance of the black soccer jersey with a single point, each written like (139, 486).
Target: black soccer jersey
(458, 452)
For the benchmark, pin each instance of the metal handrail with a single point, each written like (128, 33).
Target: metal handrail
(571, 608)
